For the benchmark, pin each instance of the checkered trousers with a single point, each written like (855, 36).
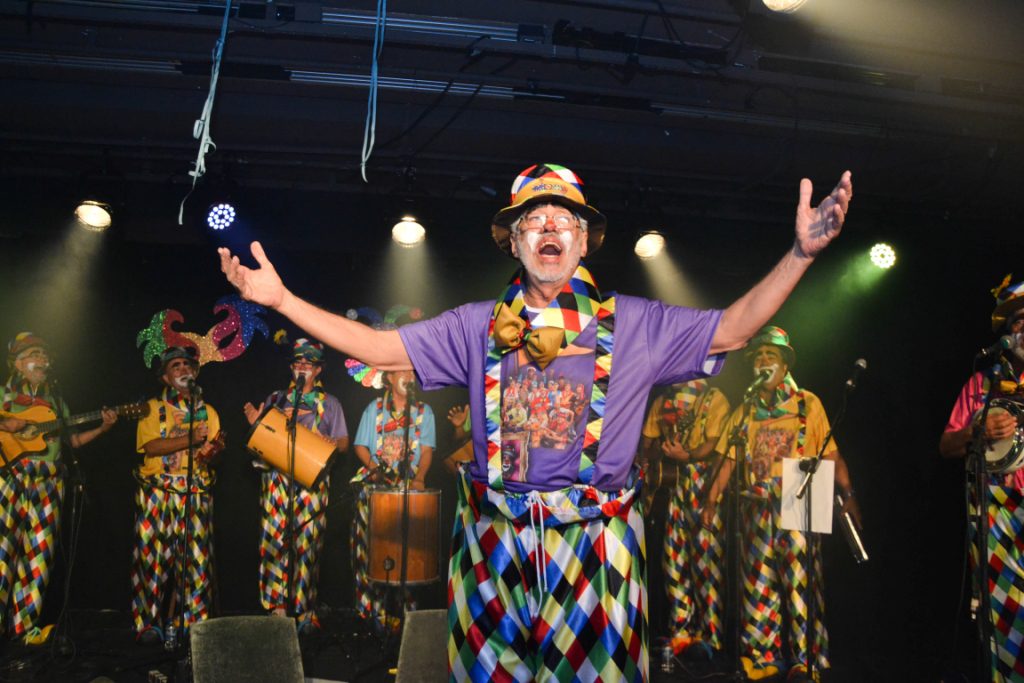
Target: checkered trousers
(547, 586)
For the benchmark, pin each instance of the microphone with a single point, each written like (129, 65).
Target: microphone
(194, 388)
(995, 350)
(859, 367)
(301, 377)
(764, 374)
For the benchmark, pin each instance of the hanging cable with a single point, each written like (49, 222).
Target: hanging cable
(201, 129)
(370, 130)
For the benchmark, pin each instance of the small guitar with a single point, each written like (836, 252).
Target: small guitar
(42, 421)
(662, 472)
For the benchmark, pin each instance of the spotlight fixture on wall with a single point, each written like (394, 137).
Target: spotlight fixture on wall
(649, 245)
(94, 215)
(220, 216)
(883, 256)
(784, 6)
(408, 232)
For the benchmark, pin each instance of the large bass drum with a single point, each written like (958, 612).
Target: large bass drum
(386, 536)
(1006, 455)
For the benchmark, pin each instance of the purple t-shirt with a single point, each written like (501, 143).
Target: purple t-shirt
(654, 344)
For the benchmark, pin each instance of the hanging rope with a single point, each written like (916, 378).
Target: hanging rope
(370, 130)
(201, 130)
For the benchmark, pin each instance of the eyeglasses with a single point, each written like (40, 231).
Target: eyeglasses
(562, 221)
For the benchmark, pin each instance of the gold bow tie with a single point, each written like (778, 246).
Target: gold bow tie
(511, 332)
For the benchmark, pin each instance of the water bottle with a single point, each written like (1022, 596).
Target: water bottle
(170, 637)
(666, 658)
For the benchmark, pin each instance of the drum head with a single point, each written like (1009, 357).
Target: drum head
(1006, 455)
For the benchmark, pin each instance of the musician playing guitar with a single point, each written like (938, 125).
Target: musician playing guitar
(679, 434)
(31, 486)
(320, 412)
(163, 442)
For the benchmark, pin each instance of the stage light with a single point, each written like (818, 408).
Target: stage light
(784, 6)
(93, 215)
(883, 256)
(649, 245)
(220, 216)
(408, 232)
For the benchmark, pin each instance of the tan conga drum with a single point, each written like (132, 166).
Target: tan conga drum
(268, 439)
(385, 538)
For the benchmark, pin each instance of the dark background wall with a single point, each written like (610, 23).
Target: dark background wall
(917, 325)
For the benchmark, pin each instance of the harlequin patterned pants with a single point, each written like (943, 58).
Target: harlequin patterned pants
(159, 534)
(310, 522)
(30, 496)
(570, 608)
(1006, 580)
(692, 562)
(775, 586)
(370, 596)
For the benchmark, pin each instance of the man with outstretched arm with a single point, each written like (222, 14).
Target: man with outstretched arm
(546, 525)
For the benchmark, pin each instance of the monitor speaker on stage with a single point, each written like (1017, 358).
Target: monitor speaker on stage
(423, 657)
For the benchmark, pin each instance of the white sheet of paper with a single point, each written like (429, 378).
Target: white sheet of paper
(794, 511)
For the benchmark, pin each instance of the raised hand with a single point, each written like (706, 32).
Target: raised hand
(251, 413)
(457, 416)
(817, 226)
(262, 285)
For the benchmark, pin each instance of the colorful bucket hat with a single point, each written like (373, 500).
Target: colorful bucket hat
(308, 349)
(547, 184)
(189, 353)
(23, 341)
(773, 336)
(1009, 299)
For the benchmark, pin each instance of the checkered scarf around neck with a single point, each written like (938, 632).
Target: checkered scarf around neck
(682, 408)
(172, 397)
(1008, 382)
(312, 401)
(571, 311)
(18, 392)
(388, 420)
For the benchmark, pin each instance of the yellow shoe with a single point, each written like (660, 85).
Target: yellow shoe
(38, 636)
(798, 674)
(757, 671)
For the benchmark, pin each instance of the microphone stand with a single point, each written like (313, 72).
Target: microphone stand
(976, 463)
(810, 467)
(182, 644)
(403, 575)
(737, 444)
(75, 480)
(289, 589)
(406, 472)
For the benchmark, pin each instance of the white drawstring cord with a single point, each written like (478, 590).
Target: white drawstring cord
(540, 560)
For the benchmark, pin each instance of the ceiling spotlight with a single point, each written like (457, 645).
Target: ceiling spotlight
(220, 216)
(93, 215)
(649, 245)
(784, 6)
(408, 232)
(883, 256)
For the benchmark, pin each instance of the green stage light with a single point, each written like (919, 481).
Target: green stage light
(883, 256)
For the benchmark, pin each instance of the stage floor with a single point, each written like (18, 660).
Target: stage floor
(103, 648)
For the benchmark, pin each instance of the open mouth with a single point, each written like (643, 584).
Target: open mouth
(550, 249)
